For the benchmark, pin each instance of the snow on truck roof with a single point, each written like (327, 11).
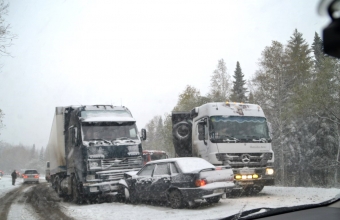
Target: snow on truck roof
(109, 119)
(229, 108)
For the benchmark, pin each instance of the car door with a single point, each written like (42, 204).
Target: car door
(143, 181)
(161, 181)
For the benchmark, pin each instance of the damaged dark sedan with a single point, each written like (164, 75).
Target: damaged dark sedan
(178, 181)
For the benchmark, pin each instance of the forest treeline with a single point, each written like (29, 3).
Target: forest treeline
(298, 87)
(20, 157)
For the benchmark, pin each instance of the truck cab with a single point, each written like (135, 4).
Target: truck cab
(91, 147)
(236, 134)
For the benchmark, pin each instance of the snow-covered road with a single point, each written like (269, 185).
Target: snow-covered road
(270, 197)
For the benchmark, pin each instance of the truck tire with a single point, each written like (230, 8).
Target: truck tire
(182, 130)
(252, 190)
(75, 192)
(57, 186)
(176, 199)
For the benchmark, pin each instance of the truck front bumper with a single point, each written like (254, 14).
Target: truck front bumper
(263, 176)
(100, 188)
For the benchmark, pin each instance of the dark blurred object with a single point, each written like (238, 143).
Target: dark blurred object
(331, 34)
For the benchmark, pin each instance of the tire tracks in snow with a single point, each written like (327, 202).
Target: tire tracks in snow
(8, 199)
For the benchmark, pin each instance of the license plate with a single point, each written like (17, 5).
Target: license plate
(247, 171)
(105, 188)
(93, 189)
(246, 183)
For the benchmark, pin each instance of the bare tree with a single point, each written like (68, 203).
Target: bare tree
(6, 36)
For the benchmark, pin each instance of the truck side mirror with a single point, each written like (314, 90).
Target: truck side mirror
(48, 164)
(143, 132)
(201, 130)
(75, 133)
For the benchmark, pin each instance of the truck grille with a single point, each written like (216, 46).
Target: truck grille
(112, 169)
(237, 160)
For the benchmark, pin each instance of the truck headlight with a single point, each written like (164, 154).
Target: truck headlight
(94, 164)
(90, 177)
(269, 171)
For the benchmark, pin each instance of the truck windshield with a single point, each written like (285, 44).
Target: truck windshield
(109, 131)
(235, 128)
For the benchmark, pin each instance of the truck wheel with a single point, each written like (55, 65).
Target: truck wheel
(57, 186)
(256, 189)
(253, 190)
(75, 192)
(176, 199)
(214, 199)
(182, 130)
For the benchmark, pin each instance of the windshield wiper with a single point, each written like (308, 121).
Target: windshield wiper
(229, 138)
(123, 138)
(256, 138)
(99, 139)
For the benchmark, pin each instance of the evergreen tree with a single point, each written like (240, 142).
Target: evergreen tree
(299, 62)
(33, 152)
(41, 154)
(251, 98)
(238, 91)
(219, 83)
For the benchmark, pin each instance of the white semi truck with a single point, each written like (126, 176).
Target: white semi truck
(90, 148)
(228, 133)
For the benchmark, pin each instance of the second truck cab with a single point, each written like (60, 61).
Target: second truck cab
(228, 133)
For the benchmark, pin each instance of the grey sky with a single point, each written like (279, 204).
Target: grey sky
(138, 53)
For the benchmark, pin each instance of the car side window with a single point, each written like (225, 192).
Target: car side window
(161, 169)
(173, 168)
(147, 170)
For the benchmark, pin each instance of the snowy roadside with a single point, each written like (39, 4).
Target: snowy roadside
(270, 197)
(6, 184)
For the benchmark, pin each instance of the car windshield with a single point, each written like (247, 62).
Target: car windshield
(244, 86)
(31, 172)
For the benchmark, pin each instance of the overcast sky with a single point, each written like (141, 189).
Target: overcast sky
(140, 54)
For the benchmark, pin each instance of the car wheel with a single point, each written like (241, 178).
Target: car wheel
(176, 199)
(214, 199)
(133, 198)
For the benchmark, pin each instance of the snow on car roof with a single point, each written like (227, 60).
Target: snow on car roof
(188, 164)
